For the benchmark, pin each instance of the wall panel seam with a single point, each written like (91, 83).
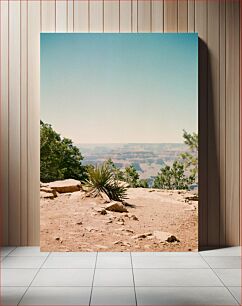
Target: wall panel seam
(225, 122)
(27, 124)
(20, 130)
(9, 228)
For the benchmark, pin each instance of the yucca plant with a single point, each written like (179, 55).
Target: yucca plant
(101, 179)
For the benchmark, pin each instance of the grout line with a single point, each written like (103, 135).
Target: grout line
(133, 279)
(220, 280)
(143, 286)
(91, 268)
(33, 278)
(14, 248)
(90, 299)
(233, 295)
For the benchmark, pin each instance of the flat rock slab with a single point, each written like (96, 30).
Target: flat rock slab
(64, 186)
(46, 195)
(48, 190)
(116, 206)
(165, 236)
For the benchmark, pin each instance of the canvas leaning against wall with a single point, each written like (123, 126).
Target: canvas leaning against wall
(119, 142)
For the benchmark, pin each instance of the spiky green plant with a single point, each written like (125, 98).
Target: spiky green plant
(101, 179)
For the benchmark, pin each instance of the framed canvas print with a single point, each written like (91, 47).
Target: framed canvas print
(119, 142)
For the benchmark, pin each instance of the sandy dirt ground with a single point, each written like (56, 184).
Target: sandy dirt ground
(73, 222)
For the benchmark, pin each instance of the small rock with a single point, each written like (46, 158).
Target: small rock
(101, 246)
(46, 195)
(64, 186)
(122, 243)
(109, 221)
(116, 206)
(192, 198)
(120, 223)
(134, 218)
(190, 209)
(165, 236)
(125, 243)
(118, 242)
(138, 236)
(129, 231)
(141, 236)
(49, 190)
(90, 229)
(172, 238)
(79, 223)
(57, 238)
(100, 210)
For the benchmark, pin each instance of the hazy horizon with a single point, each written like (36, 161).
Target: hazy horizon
(120, 88)
(121, 143)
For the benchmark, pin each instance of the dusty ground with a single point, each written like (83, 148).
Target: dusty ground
(73, 223)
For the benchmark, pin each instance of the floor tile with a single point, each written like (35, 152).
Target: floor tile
(12, 295)
(57, 296)
(23, 262)
(70, 262)
(4, 251)
(162, 254)
(184, 296)
(230, 277)
(64, 277)
(175, 277)
(231, 251)
(113, 277)
(113, 296)
(219, 262)
(236, 292)
(17, 277)
(169, 262)
(118, 254)
(113, 262)
(28, 251)
(73, 254)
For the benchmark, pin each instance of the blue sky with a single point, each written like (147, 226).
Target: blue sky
(120, 88)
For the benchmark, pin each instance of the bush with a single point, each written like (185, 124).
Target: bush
(131, 176)
(190, 158)
(101, 179)
(184, 170)
(173, 177)
(59, 158)
(143, 183)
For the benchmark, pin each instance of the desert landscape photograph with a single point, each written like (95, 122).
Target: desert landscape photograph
(119, 142)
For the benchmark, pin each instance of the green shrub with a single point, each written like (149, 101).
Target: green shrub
(101, 179)
(173, 177)
(131, 176)
(59, 158)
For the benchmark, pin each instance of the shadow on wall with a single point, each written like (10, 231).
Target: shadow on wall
(209, 173)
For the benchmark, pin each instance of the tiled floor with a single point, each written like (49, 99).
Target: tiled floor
(29, 277)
